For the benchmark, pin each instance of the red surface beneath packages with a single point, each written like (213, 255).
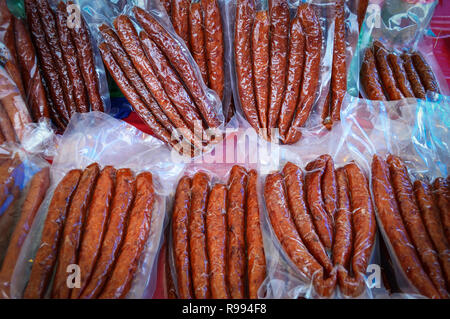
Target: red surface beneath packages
(440, 24)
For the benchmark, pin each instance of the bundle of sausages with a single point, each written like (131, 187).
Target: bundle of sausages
(64, 57)
(17, 216)
(277, 66)
(199, 24)
(388, 76)
(326, 211)
(99, 221)
(416, 222)
(14, 114)
(158, 81)
(217, 238)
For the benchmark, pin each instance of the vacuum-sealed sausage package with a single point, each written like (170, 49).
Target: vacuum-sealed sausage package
(409, 159)
(202, 25)
(54, 62)
(156, 72)
(25, 178)
(216, 247)
(320, 232)
(394, 59)
(287, 56)
(99, 229)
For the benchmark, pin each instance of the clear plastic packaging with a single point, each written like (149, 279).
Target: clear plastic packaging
(284, 279)
(177, 105)
(400, 26)
(29, 64)
(236, 262)
(25, 179)
(99, 70)
(193, 15)
(97, 137)
(325, 13)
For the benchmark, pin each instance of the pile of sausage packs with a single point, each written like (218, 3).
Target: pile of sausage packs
(292, 149)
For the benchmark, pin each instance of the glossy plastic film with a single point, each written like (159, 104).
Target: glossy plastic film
(160, 65)
(291, 102)
(98, 138)
(408, 154)
(25, 180)
(207, 205)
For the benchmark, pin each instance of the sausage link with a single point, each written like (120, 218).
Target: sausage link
(361, 11)
(430, 215)
(314, 200)
(425, 73)
(73, 227)
(26, 57)
(214, 45)
(413, 77)
(325, 114)
(132, 45)
(216, 240)
(46, 255)
(328, 185)
(124, 192)
(310, 81)
(138, 231)
(339, 66)
(172, 85)
(179, 11)
(131, 95)
(95, 227)
(13, 104)
(14, 72)
(414, 225)
(400, 76)
(284, 228)
(49, 26)
(343, 241)
(296, 60)
(5, 125)
(439, 193)
(364, 229)
(180, 239)
(179, 61)
(260, 49)
(245, 11)
(70, 58)
(36, 193)
(279, 30)
(82, 41)
(7, 31)
(370, 80)
(236, 265)
(46, 62)
(197, 39)
(385, 72)
(134, 78)
(256, 259)
(388, 213)
(197, 236)
(294, 181)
